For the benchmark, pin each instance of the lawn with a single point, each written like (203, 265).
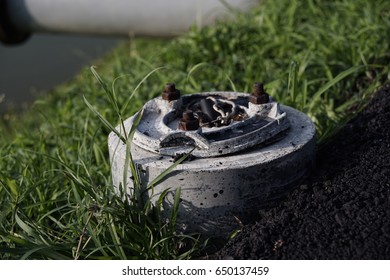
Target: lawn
(325, 58)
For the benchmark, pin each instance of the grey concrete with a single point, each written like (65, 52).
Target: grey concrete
(219, 192)
(158, 128)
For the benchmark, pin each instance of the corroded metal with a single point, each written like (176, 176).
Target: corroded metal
(259, 96)
(208, 124)
(188, 121)
(170, 93)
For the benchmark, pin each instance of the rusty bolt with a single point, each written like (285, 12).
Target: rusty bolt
(170, 93)
(259, 96)
(188, 121)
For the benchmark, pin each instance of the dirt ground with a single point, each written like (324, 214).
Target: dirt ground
(343, 210)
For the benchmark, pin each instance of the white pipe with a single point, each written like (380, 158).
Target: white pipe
(117, 17)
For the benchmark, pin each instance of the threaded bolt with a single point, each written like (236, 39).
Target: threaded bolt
(188, 115)
(258, 89)
(259, 96)
(170, 93)
(188, 121)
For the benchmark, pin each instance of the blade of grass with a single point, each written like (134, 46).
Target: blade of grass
(112, 98)
(204, 64)
(110, 93)
(124, 108)
(293, 80)
(316, 98)
(104, 121)
(175, 210)
(129, 157)
(163, 174)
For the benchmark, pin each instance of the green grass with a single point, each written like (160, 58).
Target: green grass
(57, 201)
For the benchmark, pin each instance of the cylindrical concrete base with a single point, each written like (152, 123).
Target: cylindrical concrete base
(219, 192)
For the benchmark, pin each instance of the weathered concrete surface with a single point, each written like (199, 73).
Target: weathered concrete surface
(158, 130)
(216, 192)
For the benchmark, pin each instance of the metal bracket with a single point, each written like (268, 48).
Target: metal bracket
(159, 130)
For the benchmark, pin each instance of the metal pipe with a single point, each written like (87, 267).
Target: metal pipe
(162, 18)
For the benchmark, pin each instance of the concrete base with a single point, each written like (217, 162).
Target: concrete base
(219, 192)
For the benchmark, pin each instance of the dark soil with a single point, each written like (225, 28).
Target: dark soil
(343, 210)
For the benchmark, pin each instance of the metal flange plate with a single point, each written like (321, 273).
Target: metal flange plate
(225, 123)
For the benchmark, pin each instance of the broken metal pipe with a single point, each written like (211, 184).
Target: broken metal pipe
(158, 18)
